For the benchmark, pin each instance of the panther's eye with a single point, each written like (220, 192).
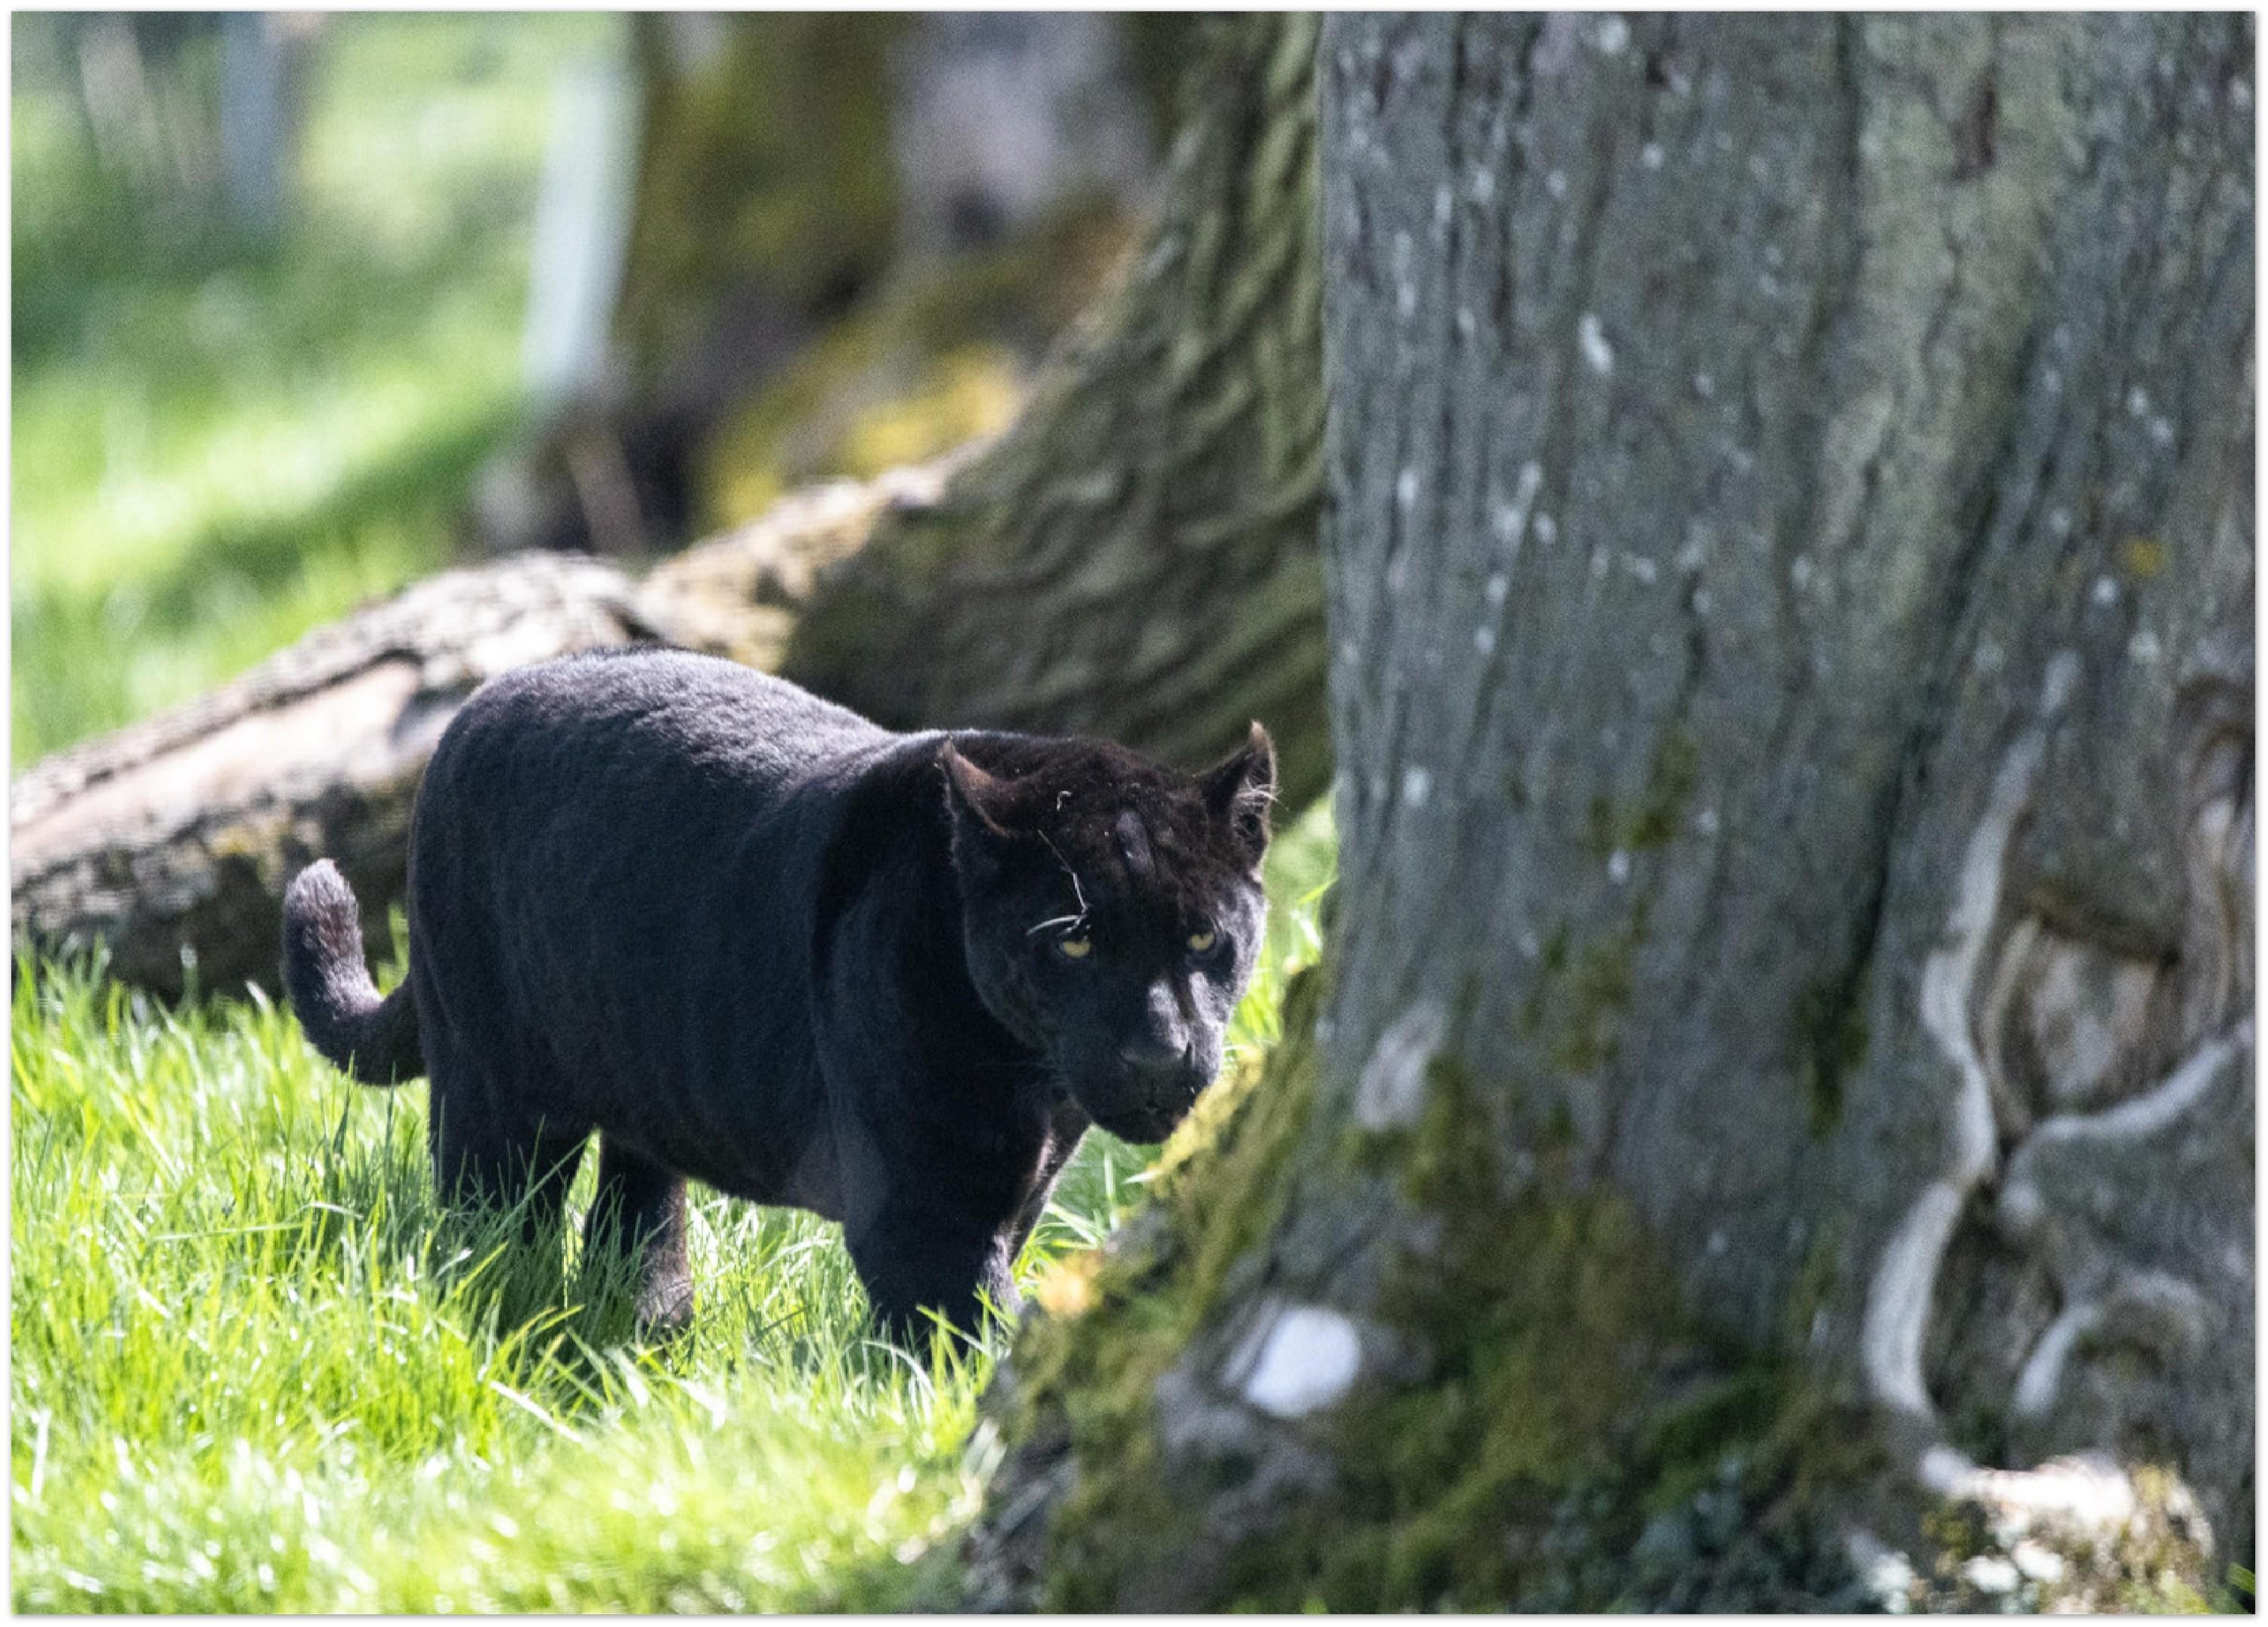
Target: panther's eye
(1203, 939)
(1074, 946)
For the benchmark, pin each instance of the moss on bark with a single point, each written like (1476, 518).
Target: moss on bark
(1561, 1432)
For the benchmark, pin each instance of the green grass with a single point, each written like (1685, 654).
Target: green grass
(218, 445)
(255, 1370)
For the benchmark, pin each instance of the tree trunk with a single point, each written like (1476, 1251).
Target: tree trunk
(1785, 1061)
(1137, 556)
(1138, 559)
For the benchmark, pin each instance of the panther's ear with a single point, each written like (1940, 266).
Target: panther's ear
(1243, 789)
(975, 796)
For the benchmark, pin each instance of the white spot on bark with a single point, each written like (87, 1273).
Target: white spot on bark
(1392, 1091)
(1301, 1359)
(1612, 35)
(2039, 1562)
(1511, 519)
(1484, 185)
(2162, 432)
(1417, 786)
(1405, 299)
(1556, 183)
(2059, 522)
(1498, 585)
(1485, 639)
(1799, 571)
(1465, 323)
(1546, 529)
(1707, 822)
(1887, 1575)
(2106, 592)
(1702, 602)
(2142, 648)
(1405, 487)
(1618, 867)
(2137, 401)
(1990, 1573)
(1704, 386)
(1597, 351)
(1644, 569)
(1531, 946)
(1443, 200)
(1650, 155)
(1719, 1242)
(1600, 560)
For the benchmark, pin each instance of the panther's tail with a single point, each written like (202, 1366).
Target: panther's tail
(374, 1040)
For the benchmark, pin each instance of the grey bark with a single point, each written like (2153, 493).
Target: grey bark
(1791, 595)
(1818, 605)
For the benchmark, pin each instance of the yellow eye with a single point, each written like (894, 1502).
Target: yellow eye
(1202, 941)
(1075, 948)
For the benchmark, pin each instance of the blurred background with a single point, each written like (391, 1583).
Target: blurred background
(309, 306)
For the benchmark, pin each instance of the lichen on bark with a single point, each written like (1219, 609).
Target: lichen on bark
(1537, 1422)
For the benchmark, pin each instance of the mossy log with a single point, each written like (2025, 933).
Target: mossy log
(1777, 1131)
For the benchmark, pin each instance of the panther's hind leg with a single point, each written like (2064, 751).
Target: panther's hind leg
(497, 1152)
(640, 1207)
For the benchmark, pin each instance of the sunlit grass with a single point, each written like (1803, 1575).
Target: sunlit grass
(253, 1368)
(218, 445)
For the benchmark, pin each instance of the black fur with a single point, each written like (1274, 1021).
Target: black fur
(751, 937)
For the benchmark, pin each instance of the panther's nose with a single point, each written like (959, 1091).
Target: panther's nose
(1158, 1044)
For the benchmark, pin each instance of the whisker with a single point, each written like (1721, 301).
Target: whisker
(1076, 890)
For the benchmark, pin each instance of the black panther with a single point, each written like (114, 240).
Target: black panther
(752, 939)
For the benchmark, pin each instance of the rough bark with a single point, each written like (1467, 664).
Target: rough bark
(1138, 556)
(1785, 1065)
